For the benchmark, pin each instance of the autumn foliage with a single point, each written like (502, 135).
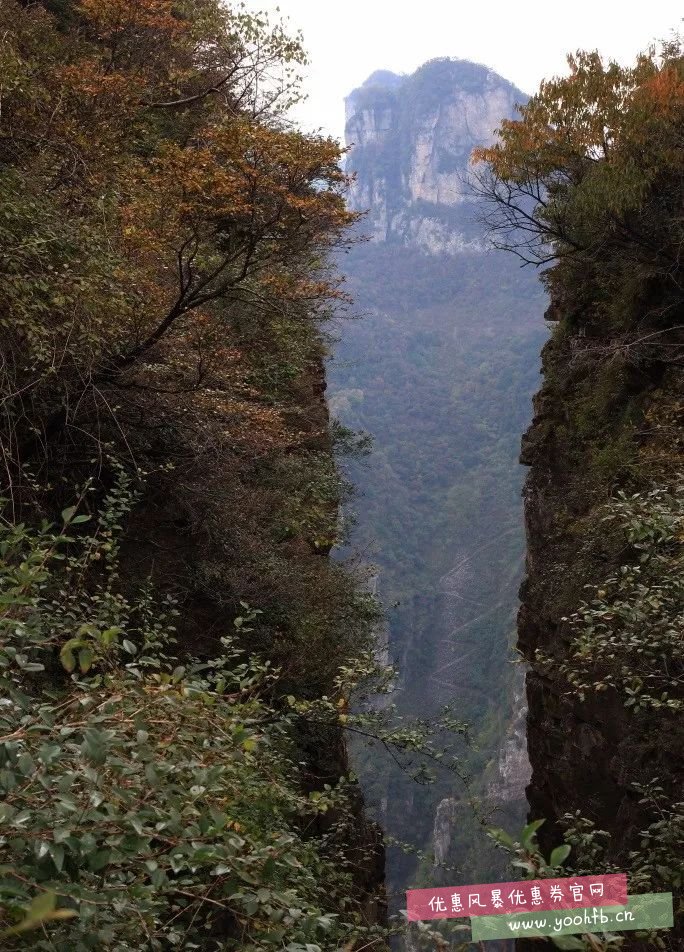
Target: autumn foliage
(166, 236)
(165, 278)
(152, 191)
(589, 177)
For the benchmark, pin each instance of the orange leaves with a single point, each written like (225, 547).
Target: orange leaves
(198, 183)
(179, 269)
(659, 105)
(665, 90)
(129, 46)
(590, 115)
(525, 151)
(90, 86)
(287, 287)
(117, 18)
(241, 169)
(240, 201)
(594, 160)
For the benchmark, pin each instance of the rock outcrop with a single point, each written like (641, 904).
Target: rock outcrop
(513, 767)
(412, 137)
(597, 427)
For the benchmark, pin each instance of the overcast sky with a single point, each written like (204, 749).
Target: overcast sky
(523, 41)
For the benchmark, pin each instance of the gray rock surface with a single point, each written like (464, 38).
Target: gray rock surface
(411, 139)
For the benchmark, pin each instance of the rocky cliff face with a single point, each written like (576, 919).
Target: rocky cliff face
(412, 137)
(512, 773)
(598, 427)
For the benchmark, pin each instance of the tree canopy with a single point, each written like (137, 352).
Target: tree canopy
(590, 177)
(165, 464)
(151, 188)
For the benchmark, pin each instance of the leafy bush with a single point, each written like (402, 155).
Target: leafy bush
(628, 637)
(148, 805)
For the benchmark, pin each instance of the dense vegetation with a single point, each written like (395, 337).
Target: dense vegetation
(176, 650)
(589, 180)
(177, 654)
(149, 804)
(440, 370)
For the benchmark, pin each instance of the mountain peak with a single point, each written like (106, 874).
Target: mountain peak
(384, 78)
(411, 138)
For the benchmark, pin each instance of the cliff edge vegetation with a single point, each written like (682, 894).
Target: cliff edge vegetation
(588, 182)
(176, 650)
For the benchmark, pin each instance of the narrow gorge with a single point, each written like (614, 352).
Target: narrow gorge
(440, 370)
(312, 591)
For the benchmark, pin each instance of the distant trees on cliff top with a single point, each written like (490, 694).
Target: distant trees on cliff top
(589, 178)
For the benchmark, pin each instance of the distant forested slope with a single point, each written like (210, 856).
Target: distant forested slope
(440, 370)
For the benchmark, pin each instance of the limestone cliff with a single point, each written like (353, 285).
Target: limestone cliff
(412, 137)
(512, 770)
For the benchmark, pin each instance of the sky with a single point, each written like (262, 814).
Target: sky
(525, 41)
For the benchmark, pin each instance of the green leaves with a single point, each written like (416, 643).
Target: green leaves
(42, 910)
(69, 517)
(128, 781)
(500, 836)
(627, 632)
(86, 655)
(126, 796)
(85, 659)
(95, 745)
(559, 855)
(527, 852)
(66, 655)
(527, 837)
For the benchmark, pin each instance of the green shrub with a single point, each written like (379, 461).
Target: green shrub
(627, 638)
(148, 805)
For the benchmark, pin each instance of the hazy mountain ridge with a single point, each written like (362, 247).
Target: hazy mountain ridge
(411, 139)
